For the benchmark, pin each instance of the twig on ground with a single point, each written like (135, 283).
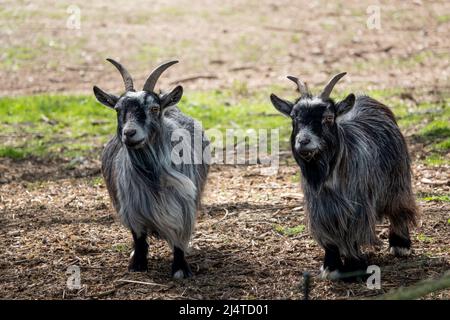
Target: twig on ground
(195, 77)
(107, 292)
(274, 28)
(143, 282)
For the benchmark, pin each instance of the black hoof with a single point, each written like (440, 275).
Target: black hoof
(354, 271)
(180, 267)
(399, 246)
(138, 264)
(400, 251)
(181, 271)
(361, 276)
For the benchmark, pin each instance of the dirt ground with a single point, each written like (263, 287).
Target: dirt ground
(52, 217)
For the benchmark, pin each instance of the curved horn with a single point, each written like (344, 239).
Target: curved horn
(330, 85)
(149, 85)
(301, 86)
(127, 80)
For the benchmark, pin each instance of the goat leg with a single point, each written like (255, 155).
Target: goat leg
(399, 239)
(180, 267)
(355, 267)
(354, 270)
(332, 263)
(138, 260)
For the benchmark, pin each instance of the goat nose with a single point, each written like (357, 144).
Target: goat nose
(129, 132)
(305, 141)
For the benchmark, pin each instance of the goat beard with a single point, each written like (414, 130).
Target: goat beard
(309, 156)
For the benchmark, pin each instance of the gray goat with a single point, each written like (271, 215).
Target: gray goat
(355, 171)
(152, 194)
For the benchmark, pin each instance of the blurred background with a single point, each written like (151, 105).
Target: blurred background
(61, 46)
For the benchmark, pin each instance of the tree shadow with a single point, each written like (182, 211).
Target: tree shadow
(35, 169)
(218, 210)
(217, 273)
(394, 273)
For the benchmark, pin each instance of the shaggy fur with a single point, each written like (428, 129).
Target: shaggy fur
(363, 176)
(153, 192)
(358, 174)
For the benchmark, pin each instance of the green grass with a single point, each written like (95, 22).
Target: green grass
(296, 177)
(443, 18)
(288, 231)
(18, 57)
(96, 181)
(11, 152)
(436, 129)
(436, 136)
(435, 159)
(14, 57)
(35, 185)
(120, 247)
(238, 109)
(53, 125)
(73, 126)
(424, 238)
(440, 198)
(431, 123)
(443, 145)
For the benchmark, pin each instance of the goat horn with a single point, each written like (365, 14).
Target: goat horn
(301, 86)
(149, 85)
(127, 80)
(330, 85)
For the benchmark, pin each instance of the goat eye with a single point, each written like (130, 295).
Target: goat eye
(154, 109)
(328, 119)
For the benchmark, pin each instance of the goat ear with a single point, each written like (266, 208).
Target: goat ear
(104, 98)
(345, 105)
(284, 106)
(172, 98)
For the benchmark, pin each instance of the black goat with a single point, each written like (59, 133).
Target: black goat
(355, 171)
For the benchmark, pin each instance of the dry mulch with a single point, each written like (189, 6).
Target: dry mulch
(52, 218)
